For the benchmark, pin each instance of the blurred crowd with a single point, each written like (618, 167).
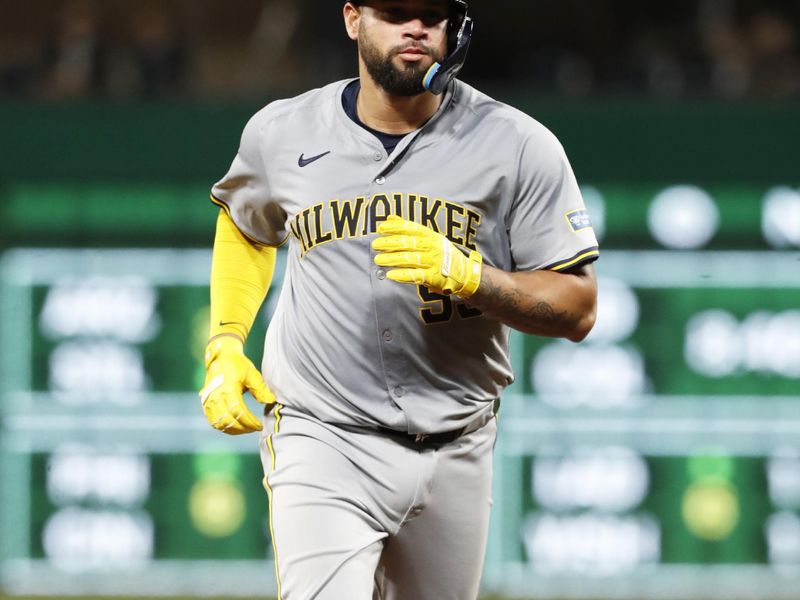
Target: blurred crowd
(154, 49)
(760, 57)
(77, 56)
(728, 49)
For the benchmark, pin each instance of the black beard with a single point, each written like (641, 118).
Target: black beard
(406, 81)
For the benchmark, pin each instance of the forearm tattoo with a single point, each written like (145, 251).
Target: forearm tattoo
(522, 312)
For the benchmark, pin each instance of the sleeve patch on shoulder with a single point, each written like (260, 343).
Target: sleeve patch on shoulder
(578, 219)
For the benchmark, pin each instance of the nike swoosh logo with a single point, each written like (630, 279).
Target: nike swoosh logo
(224, 323)
(304, 162)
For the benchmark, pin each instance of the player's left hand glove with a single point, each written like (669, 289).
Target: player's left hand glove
(228, 374)
(419, 255)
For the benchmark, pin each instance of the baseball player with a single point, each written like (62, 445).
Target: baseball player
(423, 220)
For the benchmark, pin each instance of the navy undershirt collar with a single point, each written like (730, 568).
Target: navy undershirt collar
(389, 140)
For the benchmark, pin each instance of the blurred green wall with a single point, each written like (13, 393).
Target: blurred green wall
(606, 140)
(181, 149)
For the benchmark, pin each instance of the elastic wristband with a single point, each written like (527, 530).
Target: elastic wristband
(473, 279)
(219, 335)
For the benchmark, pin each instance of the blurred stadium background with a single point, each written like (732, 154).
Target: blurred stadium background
(658, 460)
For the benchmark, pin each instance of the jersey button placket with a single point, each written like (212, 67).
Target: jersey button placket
(392, 355)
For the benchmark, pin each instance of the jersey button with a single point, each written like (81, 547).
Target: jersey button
(399, 391)
(377, 156)
(380, 274)
(387, 335)
(380, 180)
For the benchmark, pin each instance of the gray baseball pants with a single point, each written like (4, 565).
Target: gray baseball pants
(360, 514)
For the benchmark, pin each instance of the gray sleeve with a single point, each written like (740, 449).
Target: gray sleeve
(244, 192)
(548, 225)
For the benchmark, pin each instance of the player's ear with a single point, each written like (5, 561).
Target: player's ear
(352, 17)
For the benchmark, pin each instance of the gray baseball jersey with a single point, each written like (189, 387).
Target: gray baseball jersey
(348, 345)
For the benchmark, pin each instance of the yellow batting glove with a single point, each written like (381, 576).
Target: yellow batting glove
(419, 255)
(228, 374)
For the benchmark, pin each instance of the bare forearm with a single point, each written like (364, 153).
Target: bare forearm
(540, 302)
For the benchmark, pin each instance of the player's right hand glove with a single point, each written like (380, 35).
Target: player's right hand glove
(228, 374)
(419, 255)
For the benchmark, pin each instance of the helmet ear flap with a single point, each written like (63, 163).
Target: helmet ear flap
(459, 34)
(455, 23)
